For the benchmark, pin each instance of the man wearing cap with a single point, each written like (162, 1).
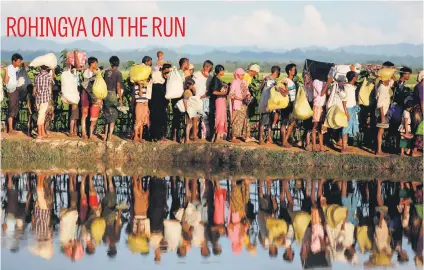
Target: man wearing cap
(252, 71)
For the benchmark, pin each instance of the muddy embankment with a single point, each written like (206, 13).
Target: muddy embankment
(201, 160)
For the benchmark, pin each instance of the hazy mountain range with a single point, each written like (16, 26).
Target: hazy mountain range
(400, 54)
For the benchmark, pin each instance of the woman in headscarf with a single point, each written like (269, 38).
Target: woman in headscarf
(240, 99)
(218, 105)
(158, 104)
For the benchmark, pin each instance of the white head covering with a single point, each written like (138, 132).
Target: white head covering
(420, 76)
(255, 67)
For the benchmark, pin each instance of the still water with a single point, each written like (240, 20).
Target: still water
(69, 221)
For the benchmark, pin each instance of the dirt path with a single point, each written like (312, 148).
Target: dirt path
(20, 136)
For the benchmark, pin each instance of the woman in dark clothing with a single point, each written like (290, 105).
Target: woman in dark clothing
(157, 204)
(158, 105)
(215, 92)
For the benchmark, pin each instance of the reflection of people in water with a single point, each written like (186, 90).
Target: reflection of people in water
(41, 218)
(112, 215)
(328, 218)
(237, 221)
(157, 213)
(68, 223)
(139, 225)
(16, 212)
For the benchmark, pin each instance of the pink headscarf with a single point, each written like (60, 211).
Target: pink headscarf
(236, 89)
(238, 71)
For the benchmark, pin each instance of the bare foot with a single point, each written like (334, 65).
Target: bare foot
(84, 136)
(287, 145)
(380, 154)
(261, 142)
(415, 154)
(13, 132)
(346, 150)
(142, 140)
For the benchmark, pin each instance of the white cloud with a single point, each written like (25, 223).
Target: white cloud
(270, 29)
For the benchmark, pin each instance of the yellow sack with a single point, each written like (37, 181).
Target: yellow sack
(138, 243)
(365, 92)
(301, 108)
(335, 215)
(300, 224)
(99, 87)
(363, 240)
(386, 73)
(277, 100)
(98, 227)
(336, 118)
(276, 227)
(140, 73)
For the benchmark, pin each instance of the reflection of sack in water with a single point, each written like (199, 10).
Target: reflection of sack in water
(301, 222)
(98, 227)
(363, 240)
(334, 215)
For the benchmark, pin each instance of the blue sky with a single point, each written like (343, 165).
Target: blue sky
(271, 25)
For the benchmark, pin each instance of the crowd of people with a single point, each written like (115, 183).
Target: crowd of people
(331, 220)
(396, 108)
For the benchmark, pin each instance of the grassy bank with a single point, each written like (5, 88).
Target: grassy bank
(202, 160)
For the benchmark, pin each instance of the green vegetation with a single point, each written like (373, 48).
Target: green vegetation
(203, 159)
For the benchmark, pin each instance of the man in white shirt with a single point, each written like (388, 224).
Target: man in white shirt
(202, 79)
(351, 111)
(11, 82)
(382, 112)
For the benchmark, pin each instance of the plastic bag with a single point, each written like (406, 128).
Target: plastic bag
(277, 101)
(49, 60)
(335, 215)
(99, 87)
(365, 92)
(301, 108)
(336, 118)
(23, 83)
(174, 85)
(70, 58)
(335, 97)
(194, 106)
(140, 73)
(70, 92)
